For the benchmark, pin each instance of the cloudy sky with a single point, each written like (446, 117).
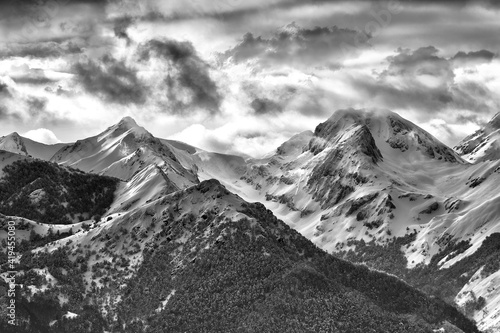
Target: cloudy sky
(241, 76)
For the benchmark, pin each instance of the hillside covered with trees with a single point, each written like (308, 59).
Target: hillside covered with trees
(48, 193)
(204, 260)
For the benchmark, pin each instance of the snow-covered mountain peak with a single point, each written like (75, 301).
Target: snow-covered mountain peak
(17, 144)
(123, 150)
(13, 143)
(484, 144)
(128, 122)
(343, 126)
(126, 125)
(391, 132)
(494, 123)
(381, 123)
(295, 145)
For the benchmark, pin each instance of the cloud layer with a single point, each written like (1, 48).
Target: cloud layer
(187, 82)
(298, 47)
(111, 80)
(236, 76)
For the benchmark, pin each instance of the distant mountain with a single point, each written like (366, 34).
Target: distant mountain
(484, 145)
(372, 176)
(366, 185)
(392, 134)
(355, 176)
(20, 145)
(122, 151)
(208, 165)
(203, 259)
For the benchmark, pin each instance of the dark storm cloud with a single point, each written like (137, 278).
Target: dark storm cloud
(36, 106)
(111, 80)
(5, 97)
(265, 106)
(421, 61)
(4, 90)
(470, 118)
(477, 57)
(413, 70)
(474, 96)
(188, 73)
(298, 46)
(121, 25)
(39, 50)
(380, 92)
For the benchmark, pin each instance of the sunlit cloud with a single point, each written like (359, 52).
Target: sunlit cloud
(229, 75)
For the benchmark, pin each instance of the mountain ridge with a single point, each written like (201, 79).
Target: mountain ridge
(362, 176)
(484, 144)
(18, 144)
(206, 243)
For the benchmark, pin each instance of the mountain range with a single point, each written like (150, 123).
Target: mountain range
(367, 222)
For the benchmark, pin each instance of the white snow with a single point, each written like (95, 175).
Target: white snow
(23, 146)
(420, 173)
(163, 303)
(70, 315)
(488, 317)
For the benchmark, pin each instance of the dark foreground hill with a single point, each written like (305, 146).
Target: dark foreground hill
(204, 260)
(48, 193)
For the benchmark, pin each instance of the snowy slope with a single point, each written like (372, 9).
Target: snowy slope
(483, 145)
(371, 175)
(122, 151)
(24, 146)
(13, 143)
(363, 174)
(170, 236)
(124, 234)
(487, 287)
(207, 165)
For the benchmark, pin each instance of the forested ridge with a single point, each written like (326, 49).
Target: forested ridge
(211, 273)
(272, 280)
(444, 283)
(48, 193)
